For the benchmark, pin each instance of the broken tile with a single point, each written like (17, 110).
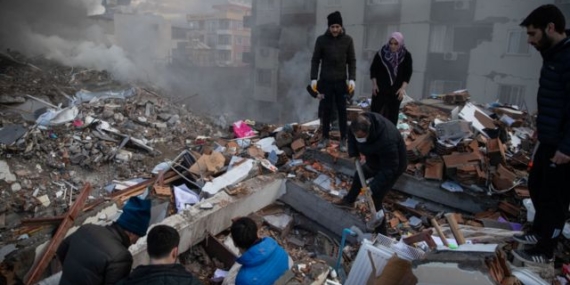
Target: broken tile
(298, 144)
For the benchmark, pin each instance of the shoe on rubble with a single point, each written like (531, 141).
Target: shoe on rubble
(323, 143)
(342, 146)
(526, 238)
(532, 256)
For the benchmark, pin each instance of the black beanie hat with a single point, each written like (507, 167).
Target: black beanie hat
(334, 18)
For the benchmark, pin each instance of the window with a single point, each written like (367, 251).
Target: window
(194, 25)
(264, 77)
(178, 33)
(512, 95)
(441, 39)
(377, 2)
(438, 87)
(224, 24)
(334, 2)
(377, 36)
(211, 26)
(212, 40)
(224, 55)
(224, 39)
(516, 43)
(266, 4)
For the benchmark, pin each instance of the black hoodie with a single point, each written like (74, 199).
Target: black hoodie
(166, 274)
(553, 121)
(333, 54)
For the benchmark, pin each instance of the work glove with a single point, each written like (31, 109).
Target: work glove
(351, 86)
(314, 85)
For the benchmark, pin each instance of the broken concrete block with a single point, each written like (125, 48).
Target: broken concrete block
(5, 173)
(434, 168)
(9, 99)
(237, 174)
(279, 222)
(124, 155)
(295, 241)
(298, 144)
(44, 199)
(160, 125)
(453, 130)
(455, 160)
(495, 151)
(164, 116)
(16, 187)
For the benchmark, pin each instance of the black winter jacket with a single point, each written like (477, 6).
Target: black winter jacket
(553, 121)
(380, 72)
(384, 148)
(333, 54)
(95, 255)
(168, 274)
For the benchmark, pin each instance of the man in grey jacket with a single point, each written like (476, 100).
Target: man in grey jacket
(334, 54)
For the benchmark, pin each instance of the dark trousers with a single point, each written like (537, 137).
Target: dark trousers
(387, 104)
(334, 91)
(550, 196)
(379, 186)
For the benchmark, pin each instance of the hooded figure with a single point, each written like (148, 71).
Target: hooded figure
(390, 72)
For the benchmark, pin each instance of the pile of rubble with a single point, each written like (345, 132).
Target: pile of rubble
(61, 127)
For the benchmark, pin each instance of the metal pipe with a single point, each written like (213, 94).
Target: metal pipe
(342, 242)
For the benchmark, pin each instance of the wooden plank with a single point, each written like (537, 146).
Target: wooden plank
(455, 228)
(38, 268)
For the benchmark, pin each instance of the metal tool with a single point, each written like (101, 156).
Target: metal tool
(376, 216)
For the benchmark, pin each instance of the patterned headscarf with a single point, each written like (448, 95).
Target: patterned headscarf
(392, 60)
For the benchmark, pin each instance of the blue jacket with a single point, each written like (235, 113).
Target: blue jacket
(553, 121)
(262, 264)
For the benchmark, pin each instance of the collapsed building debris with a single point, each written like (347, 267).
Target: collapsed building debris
(82, 121)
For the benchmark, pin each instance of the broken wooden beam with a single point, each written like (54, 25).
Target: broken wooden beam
(42, 221)
(450, 217)
(439, 232)
(424, 235)
(68, 221)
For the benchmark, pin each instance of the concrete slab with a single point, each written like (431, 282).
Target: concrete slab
(194, 224)
(467, 201)
(320, 210)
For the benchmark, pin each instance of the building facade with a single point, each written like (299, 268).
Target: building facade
(223, 32)
(456, 44)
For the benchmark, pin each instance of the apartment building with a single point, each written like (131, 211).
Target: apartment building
(456, 44)
(222, 33)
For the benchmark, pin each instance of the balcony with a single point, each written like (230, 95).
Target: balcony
(224, 47)
(458, 11)
(378, 11)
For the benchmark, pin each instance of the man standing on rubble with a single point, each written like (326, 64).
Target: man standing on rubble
(96, 255)
(381, 143)
(334, 54)
(162, 247)
(551, 161)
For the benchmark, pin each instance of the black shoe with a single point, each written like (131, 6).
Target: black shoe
(532, 256)
(527, 238)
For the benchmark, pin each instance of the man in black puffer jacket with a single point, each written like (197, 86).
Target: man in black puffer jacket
(96, 255)
(162, 248)
(548, 190)
(334, 54)
(381, 143)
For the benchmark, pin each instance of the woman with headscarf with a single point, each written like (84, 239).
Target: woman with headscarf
(390, 72)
